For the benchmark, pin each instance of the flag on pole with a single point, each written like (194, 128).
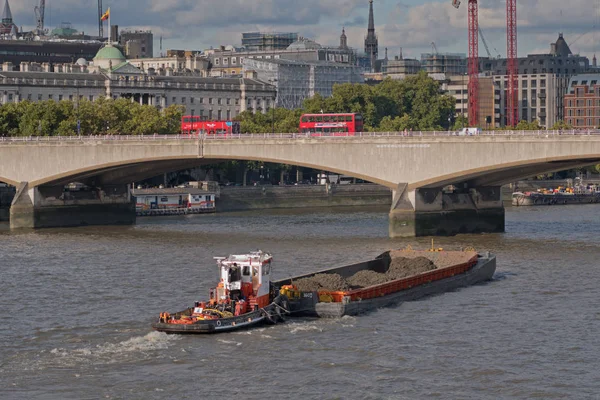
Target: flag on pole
(105, 15)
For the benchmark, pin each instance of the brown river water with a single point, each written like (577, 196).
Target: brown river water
(77, 305)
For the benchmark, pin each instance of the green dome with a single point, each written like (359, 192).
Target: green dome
(110, 53)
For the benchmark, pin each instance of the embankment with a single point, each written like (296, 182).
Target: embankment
(262, 197)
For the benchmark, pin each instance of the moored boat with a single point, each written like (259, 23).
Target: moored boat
(242, 299)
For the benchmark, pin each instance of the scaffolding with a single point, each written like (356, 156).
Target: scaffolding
(444, 63)
(260, 41)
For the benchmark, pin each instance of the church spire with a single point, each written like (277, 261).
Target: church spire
(371, 42)
(343, 39)
(371, 18)
(7, 14)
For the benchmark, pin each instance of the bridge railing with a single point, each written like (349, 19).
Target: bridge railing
(238, 136)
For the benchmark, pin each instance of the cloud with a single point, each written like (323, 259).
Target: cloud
(410, 24)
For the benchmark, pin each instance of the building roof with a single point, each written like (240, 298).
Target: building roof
(110, 52)
(284, 61)
(304, 44)
(589, 80)
(561, 48)
(170, 191)
(53, 75)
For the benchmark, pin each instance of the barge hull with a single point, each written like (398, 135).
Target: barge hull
(481, 272)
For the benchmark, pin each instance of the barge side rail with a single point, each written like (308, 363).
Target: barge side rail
(402, 284)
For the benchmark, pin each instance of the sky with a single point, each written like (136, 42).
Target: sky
(410, 25)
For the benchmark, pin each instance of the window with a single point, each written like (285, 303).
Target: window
(50, 97)
(71, 97)
(233, 60)
(91, 98)
(191, 100)
(237, 102)
(225, 60)
(228, 115)
(10, 97)
(210, 112)
(60, 97)
(219, 115)
(216, 61)
(210, 100)
(228, 101)
(219, 101)
(40, 97)
(174, 100)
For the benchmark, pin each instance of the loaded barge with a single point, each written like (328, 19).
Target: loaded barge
(451, 270)
(246, 296)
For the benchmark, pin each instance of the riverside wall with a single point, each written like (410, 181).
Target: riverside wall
(238, 198)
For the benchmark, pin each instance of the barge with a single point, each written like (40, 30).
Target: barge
(452, 270)
(558, 198)
(173, 201)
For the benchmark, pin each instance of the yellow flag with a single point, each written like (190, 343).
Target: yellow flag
(105, 15)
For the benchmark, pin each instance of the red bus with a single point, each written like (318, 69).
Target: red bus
(331, 123)
(197, 124)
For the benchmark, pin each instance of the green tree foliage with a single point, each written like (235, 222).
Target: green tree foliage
(528, 126)
(413, 103)
(561, 125)
(103, 116)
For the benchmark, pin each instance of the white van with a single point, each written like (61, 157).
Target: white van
(468, 132)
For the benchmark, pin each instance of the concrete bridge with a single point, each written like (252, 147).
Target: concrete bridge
(417, 168)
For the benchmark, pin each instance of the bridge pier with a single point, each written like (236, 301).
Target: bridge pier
(52, 207)
(431, 212)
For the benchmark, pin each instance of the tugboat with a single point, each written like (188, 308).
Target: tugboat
(242, 299)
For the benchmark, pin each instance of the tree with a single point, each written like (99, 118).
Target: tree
(561, 125)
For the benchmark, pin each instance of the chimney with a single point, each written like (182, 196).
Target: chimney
(250, 74)
(24, 66)
(46, 67)
(7, 66)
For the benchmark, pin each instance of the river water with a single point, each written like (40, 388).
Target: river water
(77, 305)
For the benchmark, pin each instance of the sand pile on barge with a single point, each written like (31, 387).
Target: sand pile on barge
(402, 267)
(367, 278)
(328, 282)
(399, 267)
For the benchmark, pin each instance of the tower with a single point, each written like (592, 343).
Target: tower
(343, 40)
(7, 25)
(371, 43)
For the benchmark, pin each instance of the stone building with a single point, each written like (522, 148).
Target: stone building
(543, 81)
(489, 99)
(112, 76)
(582, 101)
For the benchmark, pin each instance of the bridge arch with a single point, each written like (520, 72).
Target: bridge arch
(9, 181)
(132, 170)
(501, 174)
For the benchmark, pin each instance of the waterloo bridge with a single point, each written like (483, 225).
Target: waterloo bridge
(417, 168)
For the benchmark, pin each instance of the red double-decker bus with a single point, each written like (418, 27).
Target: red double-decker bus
(196, 124)
(336, 124)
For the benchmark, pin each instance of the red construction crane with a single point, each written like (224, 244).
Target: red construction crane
(512, 114)
(473, 63)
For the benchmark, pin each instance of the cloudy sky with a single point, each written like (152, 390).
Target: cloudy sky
(409, 24)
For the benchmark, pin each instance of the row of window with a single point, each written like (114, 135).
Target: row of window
(583, 122)
(59, 97)
(582, 103)
(583, 113)
(210, 100)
